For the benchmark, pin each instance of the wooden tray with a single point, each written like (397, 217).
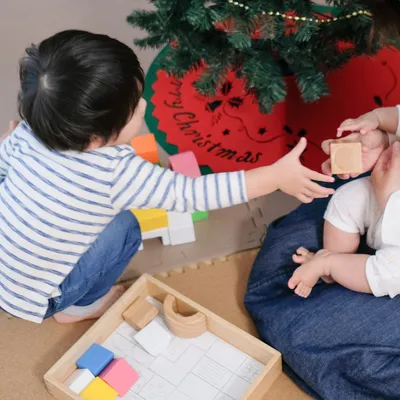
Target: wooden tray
(149, 286)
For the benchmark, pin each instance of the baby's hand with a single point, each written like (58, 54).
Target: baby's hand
(363, 124)
(373, 144)
(295, 179)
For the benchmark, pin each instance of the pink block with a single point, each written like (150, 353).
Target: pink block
(119, 375)
(185, 164)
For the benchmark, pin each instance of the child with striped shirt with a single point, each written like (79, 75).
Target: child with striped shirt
(68, 178)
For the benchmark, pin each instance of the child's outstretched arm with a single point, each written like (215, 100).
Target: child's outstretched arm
(139, 184)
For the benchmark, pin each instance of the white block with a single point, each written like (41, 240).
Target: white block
(140, 247)
(181, 228)
(162, 233)
(153, 338)
(78, 381)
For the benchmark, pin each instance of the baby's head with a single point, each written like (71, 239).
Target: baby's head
(81, 90)
(386, 19)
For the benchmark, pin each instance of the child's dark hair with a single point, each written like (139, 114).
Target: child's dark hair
(76, 85)
(386, 20)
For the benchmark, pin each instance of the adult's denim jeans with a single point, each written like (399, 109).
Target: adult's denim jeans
(101, 266)
(336, 344)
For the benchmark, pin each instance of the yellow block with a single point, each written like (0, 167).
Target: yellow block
(152, 219)
(99, 390)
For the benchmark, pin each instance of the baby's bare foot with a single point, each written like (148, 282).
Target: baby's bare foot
(328, 279)
(106, 302)
(305, 277)
(302, 255)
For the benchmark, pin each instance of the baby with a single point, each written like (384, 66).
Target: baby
(355, 210)
(68, 179)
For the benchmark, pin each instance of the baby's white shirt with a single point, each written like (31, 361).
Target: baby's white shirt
(354, 209)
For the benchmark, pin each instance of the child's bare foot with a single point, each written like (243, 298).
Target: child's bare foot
(303, 255)
(106, 302)
(306, 276)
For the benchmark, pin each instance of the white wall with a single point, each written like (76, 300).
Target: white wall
(23, 22)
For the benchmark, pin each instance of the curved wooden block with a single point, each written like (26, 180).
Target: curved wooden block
(187, 327)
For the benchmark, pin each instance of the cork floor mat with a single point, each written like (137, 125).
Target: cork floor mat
(28, 350)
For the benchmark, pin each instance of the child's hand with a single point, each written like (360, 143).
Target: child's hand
(364, 124)
(373, 144)
(297, 180)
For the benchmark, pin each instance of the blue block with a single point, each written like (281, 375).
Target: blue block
(95, 359)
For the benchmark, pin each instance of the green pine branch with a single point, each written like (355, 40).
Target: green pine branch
(218, 36)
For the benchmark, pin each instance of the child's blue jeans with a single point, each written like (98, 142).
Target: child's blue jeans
(101, 266)
(336, 344)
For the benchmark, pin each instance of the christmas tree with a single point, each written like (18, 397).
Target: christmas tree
(260, 40)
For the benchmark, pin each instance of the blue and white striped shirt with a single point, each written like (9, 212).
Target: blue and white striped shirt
(53, 206)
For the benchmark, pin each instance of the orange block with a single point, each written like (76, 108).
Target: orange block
(146, 147)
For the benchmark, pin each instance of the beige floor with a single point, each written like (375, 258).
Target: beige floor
(28, 350)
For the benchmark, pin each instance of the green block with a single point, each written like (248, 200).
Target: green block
(199, 215)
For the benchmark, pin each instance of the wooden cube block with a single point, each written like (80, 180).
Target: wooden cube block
(146, 147)
(99, 390)
(79, 380)
(140, 314)
(346, 157)
(120, 376)
(151, 219)
(95, 359)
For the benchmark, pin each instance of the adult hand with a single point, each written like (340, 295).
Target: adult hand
(386, 174)
(11, 126)
(373, 144)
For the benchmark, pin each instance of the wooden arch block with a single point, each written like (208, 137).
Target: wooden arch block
(183, 326)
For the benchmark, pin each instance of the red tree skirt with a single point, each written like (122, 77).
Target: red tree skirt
(227, 132)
